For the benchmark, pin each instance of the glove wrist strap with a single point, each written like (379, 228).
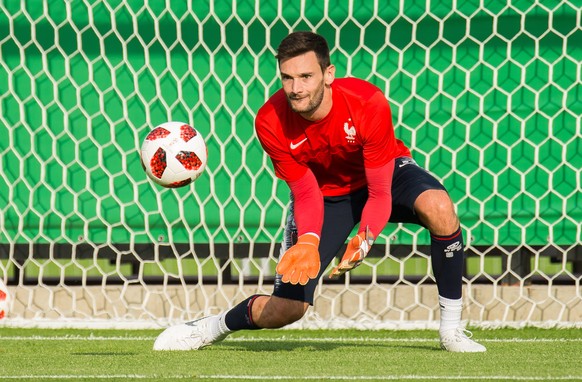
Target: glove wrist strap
(309, 238)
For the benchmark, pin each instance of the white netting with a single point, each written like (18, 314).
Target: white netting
(487, 95)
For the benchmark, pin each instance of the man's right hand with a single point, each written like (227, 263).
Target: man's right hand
(301, 262)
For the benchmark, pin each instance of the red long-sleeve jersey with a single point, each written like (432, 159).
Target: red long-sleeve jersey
(357, 134)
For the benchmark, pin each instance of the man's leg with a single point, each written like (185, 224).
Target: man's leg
(255, 312)
(436, 211)
(264, 312)
(418, 197)
(288, 302)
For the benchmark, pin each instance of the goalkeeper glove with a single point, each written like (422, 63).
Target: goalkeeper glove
(301, 262)
(355, 253)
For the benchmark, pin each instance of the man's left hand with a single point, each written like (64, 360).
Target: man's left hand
(358, 248)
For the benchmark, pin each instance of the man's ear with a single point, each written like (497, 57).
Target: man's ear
(329, 74)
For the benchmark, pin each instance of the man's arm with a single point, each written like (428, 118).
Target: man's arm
(301, 262)
(308, 202)
(378, 208)
(375, 215)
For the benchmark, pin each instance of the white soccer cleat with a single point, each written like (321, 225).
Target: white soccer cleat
(459, 341)
(191, 335)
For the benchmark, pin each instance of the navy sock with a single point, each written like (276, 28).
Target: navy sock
(447, 258)
(240, 317)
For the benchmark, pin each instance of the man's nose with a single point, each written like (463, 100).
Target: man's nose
(296, 87)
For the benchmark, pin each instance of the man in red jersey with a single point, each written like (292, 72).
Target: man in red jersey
(332, 141)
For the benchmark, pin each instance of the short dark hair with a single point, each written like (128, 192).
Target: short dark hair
(301, 42)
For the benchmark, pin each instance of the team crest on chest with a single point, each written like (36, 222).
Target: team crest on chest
(350, 131)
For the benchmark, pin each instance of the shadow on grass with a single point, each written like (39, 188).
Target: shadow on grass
(106, 353)
(293, 345)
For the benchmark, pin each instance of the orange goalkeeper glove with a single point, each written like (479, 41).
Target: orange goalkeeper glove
(301, 262)
(355, 253)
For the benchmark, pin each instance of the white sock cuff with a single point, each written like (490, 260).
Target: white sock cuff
(451, 311)
(448, 303)
(222, 324)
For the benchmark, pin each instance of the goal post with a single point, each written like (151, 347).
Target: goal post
(487, 96)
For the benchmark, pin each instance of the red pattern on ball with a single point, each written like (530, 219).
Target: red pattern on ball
(157, 133)
(158, 163)
(189, 160)
(187, 132)
(2, 298)
(180, 183)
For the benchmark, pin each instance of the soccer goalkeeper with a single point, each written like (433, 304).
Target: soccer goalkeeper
(332, 141)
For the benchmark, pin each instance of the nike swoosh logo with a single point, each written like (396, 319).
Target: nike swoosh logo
(293, 146)
(405, 162)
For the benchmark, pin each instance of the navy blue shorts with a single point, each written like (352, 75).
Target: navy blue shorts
(343, 213)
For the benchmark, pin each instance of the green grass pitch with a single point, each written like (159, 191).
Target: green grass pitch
(528, 354)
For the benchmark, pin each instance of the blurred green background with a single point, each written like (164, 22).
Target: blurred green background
(488, 99)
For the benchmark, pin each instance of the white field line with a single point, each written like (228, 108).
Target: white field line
(337, 323)
(302, 378)
(281, 338)
(396, 377)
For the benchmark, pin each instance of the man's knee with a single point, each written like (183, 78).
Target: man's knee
(437, 212)
(275, 312)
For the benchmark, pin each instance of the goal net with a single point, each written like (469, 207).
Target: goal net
(486, 94)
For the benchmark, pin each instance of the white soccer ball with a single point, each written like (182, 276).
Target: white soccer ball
(4, 300)
(174, 154)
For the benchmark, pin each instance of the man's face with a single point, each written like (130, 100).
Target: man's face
(304, 84)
